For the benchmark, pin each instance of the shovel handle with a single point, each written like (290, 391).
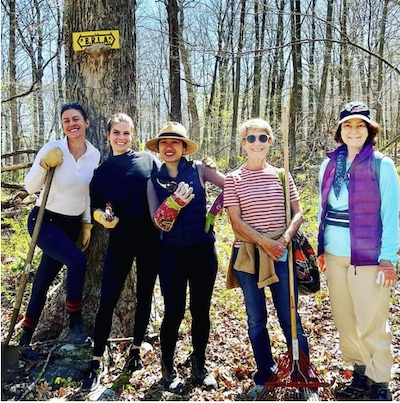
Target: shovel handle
(28, 261)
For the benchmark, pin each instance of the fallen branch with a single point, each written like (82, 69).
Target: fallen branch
(15, 186)
(16, 167)
(18, 152)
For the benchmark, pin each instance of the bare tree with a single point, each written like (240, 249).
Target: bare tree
(99, 79)
(174, 61)
(235, 106)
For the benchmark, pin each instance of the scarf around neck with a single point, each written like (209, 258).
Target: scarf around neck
(341, 174)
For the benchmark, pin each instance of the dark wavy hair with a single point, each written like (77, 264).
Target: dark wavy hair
(74, 105)
(373, 131)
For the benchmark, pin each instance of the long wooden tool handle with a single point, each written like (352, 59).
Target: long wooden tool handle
(29, 257)
(293, 327)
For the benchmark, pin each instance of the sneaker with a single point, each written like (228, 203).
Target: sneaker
(93, 376)
(380, 391)
(358, 389)
(171, 380)
(77, 334)
(256, 391)
(134, 361)
(200, 375)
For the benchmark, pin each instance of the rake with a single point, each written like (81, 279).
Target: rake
(296, 377)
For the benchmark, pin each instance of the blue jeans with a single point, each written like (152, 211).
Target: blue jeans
(257, 316)
(57, 237)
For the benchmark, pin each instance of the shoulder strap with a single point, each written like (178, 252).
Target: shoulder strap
(281, 174)
(377, 163)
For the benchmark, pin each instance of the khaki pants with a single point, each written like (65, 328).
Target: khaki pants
(360, 310)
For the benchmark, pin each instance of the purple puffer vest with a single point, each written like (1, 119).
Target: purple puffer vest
(364, 206)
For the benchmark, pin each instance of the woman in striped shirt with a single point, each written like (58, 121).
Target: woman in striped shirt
(255, 201)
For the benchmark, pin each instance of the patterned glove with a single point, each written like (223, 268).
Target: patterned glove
(84, 236)
(386, 276)
(214, 210)
(166, 214)
(53, 158)
(104, 219)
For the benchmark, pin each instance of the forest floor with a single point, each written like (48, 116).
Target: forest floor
(229, 354)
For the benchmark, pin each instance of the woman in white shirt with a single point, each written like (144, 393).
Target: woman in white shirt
(66, 219)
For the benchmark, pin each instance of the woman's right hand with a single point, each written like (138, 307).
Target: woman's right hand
(183, 194)
(274, 249)
(52, 159)
(103, 218)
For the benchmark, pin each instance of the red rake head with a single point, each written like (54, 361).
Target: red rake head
(300, 374)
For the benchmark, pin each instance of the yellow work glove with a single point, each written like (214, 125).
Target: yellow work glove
(84, 236)
(104, 219)
(53, 158)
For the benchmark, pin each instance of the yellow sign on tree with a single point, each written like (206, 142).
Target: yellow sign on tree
(81, 40)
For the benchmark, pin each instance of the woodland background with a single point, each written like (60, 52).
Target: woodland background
(210, 65)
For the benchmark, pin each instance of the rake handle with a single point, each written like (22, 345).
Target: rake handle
(29, 257)
(293, 328)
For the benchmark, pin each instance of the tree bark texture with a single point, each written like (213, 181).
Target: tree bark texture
(99, 79)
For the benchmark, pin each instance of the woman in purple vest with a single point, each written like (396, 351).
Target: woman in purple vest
(358, 240)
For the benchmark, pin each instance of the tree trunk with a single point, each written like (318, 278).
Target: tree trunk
(174, 61)
(325, 72)
(194, 120)
(233, 142)
(297, 92)
(13, 81)
(99, 79)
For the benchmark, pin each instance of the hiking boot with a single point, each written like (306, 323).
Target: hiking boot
(93, 376)
(134, 361)
(358, 389)
(380, 391)
(77, 334)
(200, 375)
(170, 378)
(27, 351)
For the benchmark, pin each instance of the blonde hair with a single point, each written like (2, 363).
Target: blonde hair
(255, 123)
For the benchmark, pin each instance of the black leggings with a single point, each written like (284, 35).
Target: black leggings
(196, 265)
(130, 239)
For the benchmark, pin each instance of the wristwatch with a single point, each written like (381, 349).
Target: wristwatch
(286, 237)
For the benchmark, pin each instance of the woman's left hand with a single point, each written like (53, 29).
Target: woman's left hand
(386, 276)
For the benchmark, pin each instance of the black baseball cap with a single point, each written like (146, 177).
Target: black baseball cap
(355, 109)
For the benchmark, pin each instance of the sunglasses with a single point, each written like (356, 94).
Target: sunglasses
(171, 186)
(70, 105)
(262, 137)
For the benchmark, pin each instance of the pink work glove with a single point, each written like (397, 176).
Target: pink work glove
(386, 276)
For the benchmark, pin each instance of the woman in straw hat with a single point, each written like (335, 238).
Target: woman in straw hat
(177, 202)
(359, 239)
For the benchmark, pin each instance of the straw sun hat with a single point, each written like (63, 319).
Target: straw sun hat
(173, 130)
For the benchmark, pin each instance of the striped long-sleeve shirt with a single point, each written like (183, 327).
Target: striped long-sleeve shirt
(260, 196)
